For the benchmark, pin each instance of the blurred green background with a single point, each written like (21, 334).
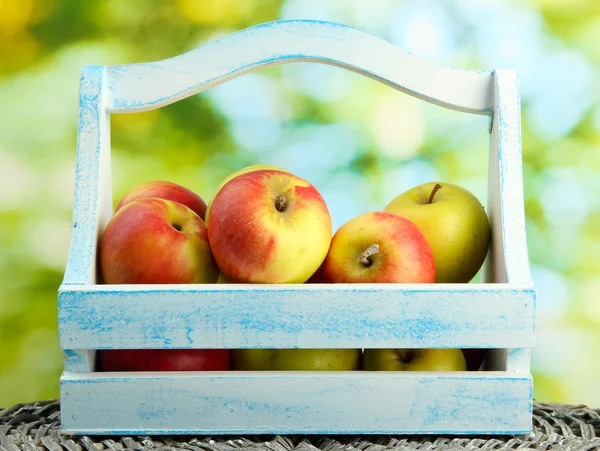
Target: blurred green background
(358, 141)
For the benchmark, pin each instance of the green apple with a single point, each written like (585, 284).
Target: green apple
(296, 359)
(455, 224)
(433, 359)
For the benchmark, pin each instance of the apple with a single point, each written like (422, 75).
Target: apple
(317, 277)
(269, 226)
(433, 359)
(154, 240)
(379, 247)
(296, 359)
(254, 167)
(455, 224)
(167, 191)
(474, 358)
(163, 360)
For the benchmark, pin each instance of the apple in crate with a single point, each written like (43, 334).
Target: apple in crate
(433, 359)
(153, 241)
(168, 191)
(163, 360)
(379, 247)
(269, 226)
(455, 224)
(474, 358)
(254, 167)
(295, 359)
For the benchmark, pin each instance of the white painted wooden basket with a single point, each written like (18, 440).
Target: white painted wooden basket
(497, 313)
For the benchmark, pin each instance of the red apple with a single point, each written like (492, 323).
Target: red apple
(269, 226)
(379, 247)
(167, 191)
(163, 360)
(153, 240)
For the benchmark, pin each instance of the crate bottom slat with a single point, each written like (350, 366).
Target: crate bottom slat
(296, 403)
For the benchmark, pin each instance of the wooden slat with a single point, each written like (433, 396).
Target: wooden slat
(284, 403)
(319, 316)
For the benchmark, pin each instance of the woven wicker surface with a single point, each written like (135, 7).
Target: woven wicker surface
(35, 427)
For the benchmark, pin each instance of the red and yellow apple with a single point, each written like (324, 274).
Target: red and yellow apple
(455, 224)
(168, 191)
(269, 226)
(153, 241)
(254, 167)
(379, 247)
(295, 359)
(163, 360)
(433, 359)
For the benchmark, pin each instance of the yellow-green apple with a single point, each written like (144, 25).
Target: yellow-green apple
(269, 226)
(296, 359)
(168, 191)
(432, 359)
(378, 247)
(154, 240)
(163, 360)
(254, 167)
(455, 224)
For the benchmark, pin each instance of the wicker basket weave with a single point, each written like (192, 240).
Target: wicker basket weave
(36, 426)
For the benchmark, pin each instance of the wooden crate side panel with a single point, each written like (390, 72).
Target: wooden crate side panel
(329, 316)
(276, 403)
(140, 87)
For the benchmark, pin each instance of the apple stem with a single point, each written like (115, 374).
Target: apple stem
(281, 202)
(364, 256)
(435, 189)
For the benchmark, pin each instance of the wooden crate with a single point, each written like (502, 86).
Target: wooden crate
(497, 313)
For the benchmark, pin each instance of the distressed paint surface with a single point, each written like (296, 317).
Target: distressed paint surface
(518, 359)
(140, 87)
(510, 261)
(337, 315)
(507, 123)
(296, 402)
(79, 360)
(82, 253)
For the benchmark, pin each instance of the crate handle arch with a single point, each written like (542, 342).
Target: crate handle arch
(131, 88)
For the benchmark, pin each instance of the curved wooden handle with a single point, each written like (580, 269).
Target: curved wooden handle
(146, 86)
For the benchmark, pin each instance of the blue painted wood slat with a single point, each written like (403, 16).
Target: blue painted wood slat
(267, 316)
(296, 402)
